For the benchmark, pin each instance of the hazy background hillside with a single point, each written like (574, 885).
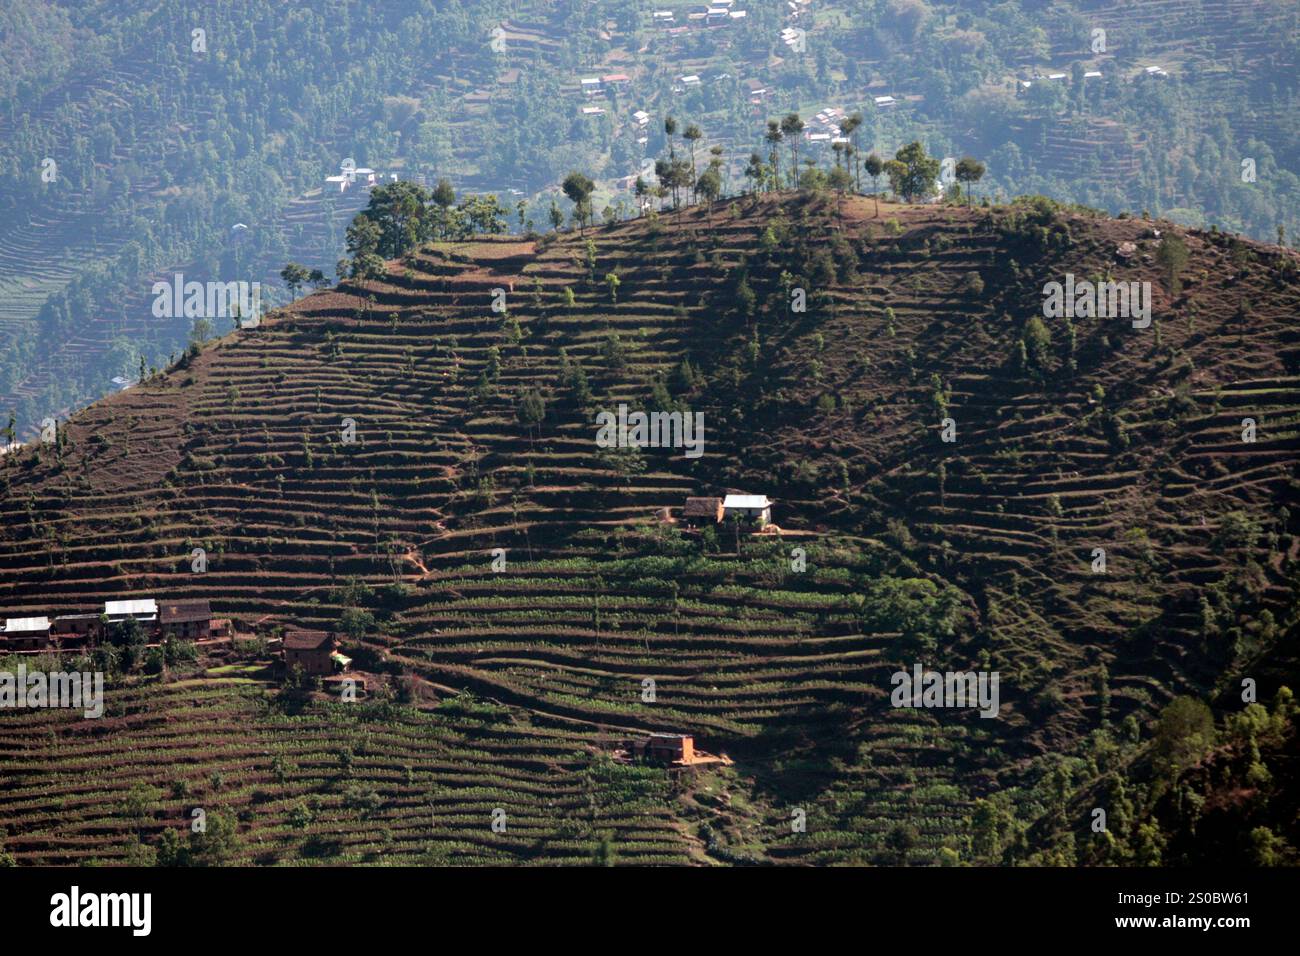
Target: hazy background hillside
(160, 149)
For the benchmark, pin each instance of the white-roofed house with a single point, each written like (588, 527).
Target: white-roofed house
(748, 508)
(26, 633)
(144, 610)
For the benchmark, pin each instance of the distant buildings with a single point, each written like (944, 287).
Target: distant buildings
(188, 620)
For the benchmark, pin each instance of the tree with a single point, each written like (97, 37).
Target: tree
(1184, 734)
(708, 188)
(840, 180)
(774, 137)
(578, 188)
(912, 173)
(693, 135)
(531, 411)
(200, 333)
(969, 171)
(755, 171)
(556, 216)
(363, 238)
(484, 214)
(849, 127)
(1172, 256)
(443, 195)
(875, 166)
(1038, 343)
(294, 275)
(400, 211)
(792, 130)
(355, 622)
(613, 281)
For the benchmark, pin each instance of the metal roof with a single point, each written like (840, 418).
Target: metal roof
(136, 606)
(746, 501)
(14, 624)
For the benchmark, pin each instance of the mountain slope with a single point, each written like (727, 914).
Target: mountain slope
(972, 553)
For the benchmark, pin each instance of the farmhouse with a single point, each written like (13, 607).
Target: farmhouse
(885, 102)
(142, 610)
(616, 80)
(189, 620)
(74, 627)
(673, 750)
(748, 508)
(316, 652)
(702, 511)
(26, 633)
(591, 85)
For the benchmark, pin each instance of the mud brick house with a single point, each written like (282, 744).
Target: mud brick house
(75, 628)
(25, 633)
(316, 652)
(188, 620)
(702, 511)
(665, 748)
(755, 509)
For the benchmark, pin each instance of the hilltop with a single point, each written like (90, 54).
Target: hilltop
(1070, 436)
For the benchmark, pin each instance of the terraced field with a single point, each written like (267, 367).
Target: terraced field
(363, 451)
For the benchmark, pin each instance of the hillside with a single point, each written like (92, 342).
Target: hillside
(510, 686)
